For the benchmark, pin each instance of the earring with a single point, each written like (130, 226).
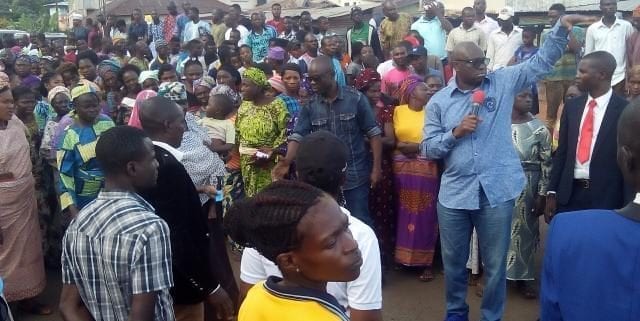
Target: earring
(297, 269)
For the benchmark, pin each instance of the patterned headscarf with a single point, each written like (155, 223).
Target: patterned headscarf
(176, 91)
(134, 119)
(365, 78)
(257, 76)
(148, 74)
(23, 57)
(205, 81)
(34, 59)
(58, 90)
(4, 80)
(109, 65)
(276, 83)
(407, 87)
(227, 91)
(80, 90)
(160, 42)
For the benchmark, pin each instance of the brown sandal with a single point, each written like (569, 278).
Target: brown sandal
(427, 275)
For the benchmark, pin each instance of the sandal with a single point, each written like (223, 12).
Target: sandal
(427, 275)
(31, 306)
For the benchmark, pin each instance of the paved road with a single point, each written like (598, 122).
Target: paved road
(405, 298)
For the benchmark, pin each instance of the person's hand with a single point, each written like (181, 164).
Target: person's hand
(73, 211)
(571, 20)
(467, 126)
(539, 207)
(221, 302)
(550, 208)
(280, 170)
(376, 175)
(210, 190)
(407, 149)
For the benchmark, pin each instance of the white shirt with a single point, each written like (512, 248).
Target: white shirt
(581, 171)
(501, 47)
(195, 30)
(385, 67)
(612, 40)
(364, 293)
(487, 25)
(178, 155)
(244, 32)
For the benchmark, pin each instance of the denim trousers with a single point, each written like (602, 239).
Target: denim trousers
(493, 225)
(357, 202)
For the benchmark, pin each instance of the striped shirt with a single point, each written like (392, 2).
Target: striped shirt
(115, 248)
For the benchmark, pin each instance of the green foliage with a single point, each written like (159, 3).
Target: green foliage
(27, 15)
(32, 23)
(53, 23)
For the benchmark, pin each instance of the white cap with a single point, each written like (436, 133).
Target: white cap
(506, 13)
(76, 16)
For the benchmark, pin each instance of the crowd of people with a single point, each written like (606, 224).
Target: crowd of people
(136, 158)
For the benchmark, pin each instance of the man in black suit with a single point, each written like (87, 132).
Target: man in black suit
(176, 200)
(585, 174)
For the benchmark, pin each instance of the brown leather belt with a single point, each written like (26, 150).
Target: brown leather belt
(582, 183)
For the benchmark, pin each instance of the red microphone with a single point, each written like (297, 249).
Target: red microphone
(477, 99)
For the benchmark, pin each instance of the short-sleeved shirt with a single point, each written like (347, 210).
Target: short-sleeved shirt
(117, 247)
(222, 129)
(363, 293)
(460, 34)
(433, 34)
(137, 31)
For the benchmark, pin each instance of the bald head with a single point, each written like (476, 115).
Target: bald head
(467, 50)
(321, 65)
(629, 145)
(156, 113)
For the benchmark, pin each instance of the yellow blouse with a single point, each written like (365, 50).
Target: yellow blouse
(408, 124)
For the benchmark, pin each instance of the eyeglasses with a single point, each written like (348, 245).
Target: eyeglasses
(475, 63)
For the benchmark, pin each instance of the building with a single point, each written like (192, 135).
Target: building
(61, 11)
(122, 9)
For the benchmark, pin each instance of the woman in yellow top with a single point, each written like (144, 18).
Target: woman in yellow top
(416, 178)
(303, 231)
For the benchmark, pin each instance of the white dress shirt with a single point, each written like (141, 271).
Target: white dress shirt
(501, 47)
(487, 25)
(195, 30)
(178, 155)
(612, 40)
(244, 33)
(581, 171)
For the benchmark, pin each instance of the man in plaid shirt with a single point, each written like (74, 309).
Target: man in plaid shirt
(116, 260)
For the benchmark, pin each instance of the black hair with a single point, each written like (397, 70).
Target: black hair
(125, 69)
(192, 43)
(233, 72)
(602, 61)
(236, 6)
(291, 67)
(406, 44)
(355, 49)
(89, 55)
(321, 161)
(305, 13)
(558, 7)
(21, 91)
(370, 61)
(224, 102)
(322, 18)
(118, 146)
(324, 40)
(163, 69)
(192, 62)
(418, 36)
(276, 5)
(227, 43)
(279, 42)
(266, 68)
(174, 39)
(294, 44)
(246, 46)
(67, 67)
(195, 10)
(269, 221)
(45, 79)
(225, 53)
(120, 23)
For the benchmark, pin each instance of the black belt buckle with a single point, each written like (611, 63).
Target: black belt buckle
(584, 183)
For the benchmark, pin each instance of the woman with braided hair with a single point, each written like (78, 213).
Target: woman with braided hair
(261, 131)
(303, 231)
(416, 178)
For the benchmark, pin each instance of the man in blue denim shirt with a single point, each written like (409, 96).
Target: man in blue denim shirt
(346, 113)
(483, 175)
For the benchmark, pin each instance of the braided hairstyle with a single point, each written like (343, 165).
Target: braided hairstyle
(268, 222)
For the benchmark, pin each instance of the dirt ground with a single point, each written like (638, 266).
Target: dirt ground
(404, 297)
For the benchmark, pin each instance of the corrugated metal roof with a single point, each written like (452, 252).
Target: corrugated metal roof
(125, 7)
(625, 6)
(327, 12)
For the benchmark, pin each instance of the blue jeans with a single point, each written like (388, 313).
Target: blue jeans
(493, 225)
(357, 202)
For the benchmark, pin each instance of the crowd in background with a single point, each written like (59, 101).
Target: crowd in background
(362, 117)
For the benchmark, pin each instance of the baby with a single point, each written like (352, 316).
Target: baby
(221, 130)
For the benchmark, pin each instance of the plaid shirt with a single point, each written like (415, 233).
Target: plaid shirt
(115, 248)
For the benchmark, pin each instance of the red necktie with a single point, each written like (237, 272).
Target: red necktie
(586, 134)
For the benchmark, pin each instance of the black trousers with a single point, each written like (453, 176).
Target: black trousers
(580, 199)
